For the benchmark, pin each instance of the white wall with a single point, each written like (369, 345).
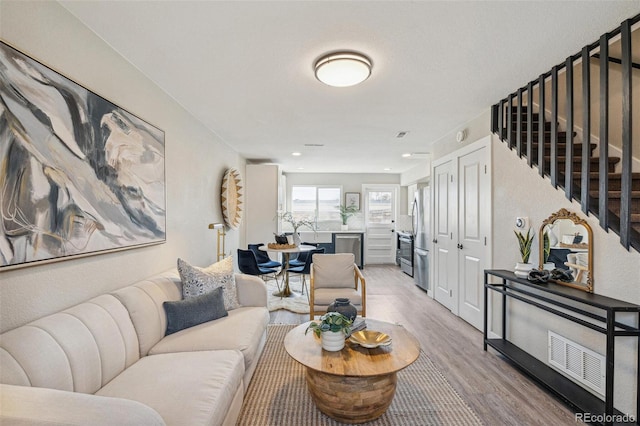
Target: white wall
(195, 164)
(418, 173)
(518, 190)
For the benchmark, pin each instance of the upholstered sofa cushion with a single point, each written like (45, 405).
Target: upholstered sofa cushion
(326, 296)
(240, 330)
(333, 270)
(186, 313)
(144, 301)
(22, 406)
(197, 281)
(79, 349)
(186, 388)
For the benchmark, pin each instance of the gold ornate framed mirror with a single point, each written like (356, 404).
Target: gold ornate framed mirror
(566, 244)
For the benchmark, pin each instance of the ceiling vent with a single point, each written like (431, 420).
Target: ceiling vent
(314, 144)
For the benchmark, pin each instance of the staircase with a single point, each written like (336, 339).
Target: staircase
(614, 189)
(606, 186)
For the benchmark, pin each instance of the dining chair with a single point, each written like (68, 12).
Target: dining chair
(264, 261)
(301, 258)
(334, 276)
(248, 264)
(305, 269)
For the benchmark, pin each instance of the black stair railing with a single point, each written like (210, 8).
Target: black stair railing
(613, 197)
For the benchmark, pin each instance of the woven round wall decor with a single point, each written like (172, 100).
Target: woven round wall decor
(231, 198)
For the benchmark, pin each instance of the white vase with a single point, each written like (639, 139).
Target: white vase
(332, 341)
(296, 239)
(344, 227)
(522, 269)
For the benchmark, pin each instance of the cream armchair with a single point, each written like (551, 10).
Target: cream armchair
(333, 276)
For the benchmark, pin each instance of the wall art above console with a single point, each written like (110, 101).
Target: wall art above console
(78, 174)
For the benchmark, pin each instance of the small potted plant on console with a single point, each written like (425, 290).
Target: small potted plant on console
(524, 242)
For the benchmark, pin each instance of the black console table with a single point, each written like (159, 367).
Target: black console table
(575, 305)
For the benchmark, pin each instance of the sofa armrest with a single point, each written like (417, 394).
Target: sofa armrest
(24, 405)
(252, 291)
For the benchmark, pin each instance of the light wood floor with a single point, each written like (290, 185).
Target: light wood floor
(497, 391)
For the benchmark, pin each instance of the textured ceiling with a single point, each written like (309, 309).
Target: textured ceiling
(245, 69)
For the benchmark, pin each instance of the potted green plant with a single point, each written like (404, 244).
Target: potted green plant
(546, 251)
(345, 213)
(333, 328)
(524, 242)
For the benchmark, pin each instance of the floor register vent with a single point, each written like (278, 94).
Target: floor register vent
(577, 362)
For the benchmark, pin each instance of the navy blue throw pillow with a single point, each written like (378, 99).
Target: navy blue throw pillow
(194, 310)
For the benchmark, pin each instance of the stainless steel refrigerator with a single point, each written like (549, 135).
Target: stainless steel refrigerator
(421, 212)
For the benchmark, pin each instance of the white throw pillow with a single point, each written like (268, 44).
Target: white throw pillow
(197, 281)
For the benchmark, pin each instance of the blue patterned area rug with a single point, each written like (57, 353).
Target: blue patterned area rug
(277, 394)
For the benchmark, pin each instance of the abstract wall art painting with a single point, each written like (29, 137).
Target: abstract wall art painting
(78, 174)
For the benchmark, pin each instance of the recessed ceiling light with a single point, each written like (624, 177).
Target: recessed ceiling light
(386, 169)
(402, 134)
(296, 154)
(300, 168)
(343, 69)
(408, 154)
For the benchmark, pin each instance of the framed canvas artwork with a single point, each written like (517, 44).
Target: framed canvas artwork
(352, 199)
(78, 174)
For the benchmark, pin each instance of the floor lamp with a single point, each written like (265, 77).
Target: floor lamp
(221, 235)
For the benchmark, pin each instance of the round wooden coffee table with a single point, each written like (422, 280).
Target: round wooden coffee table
(354, 385)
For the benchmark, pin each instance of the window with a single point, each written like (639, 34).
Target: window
(316, 203)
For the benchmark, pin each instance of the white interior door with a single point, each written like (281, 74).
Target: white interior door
(461, 229)
(380, 218)
(474, 195)
(444, 219)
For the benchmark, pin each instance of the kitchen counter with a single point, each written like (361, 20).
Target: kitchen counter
(344, 244)
(325, 236)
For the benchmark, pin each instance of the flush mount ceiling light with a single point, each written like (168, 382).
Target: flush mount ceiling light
(343, 69)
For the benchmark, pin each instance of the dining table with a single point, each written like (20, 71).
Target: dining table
(286, 254)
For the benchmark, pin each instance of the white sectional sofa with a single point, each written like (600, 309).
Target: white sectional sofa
(108, 362)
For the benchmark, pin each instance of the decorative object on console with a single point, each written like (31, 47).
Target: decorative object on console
(81, 175)
(231, 198)
(344, 306)
(573, 258)
(546, 251)
(524, 242)
(539, 277)
(332, 329)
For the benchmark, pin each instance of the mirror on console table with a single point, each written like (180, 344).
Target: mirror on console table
(570, 248)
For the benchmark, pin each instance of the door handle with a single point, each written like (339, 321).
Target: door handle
(460, 246)
(435, 241)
